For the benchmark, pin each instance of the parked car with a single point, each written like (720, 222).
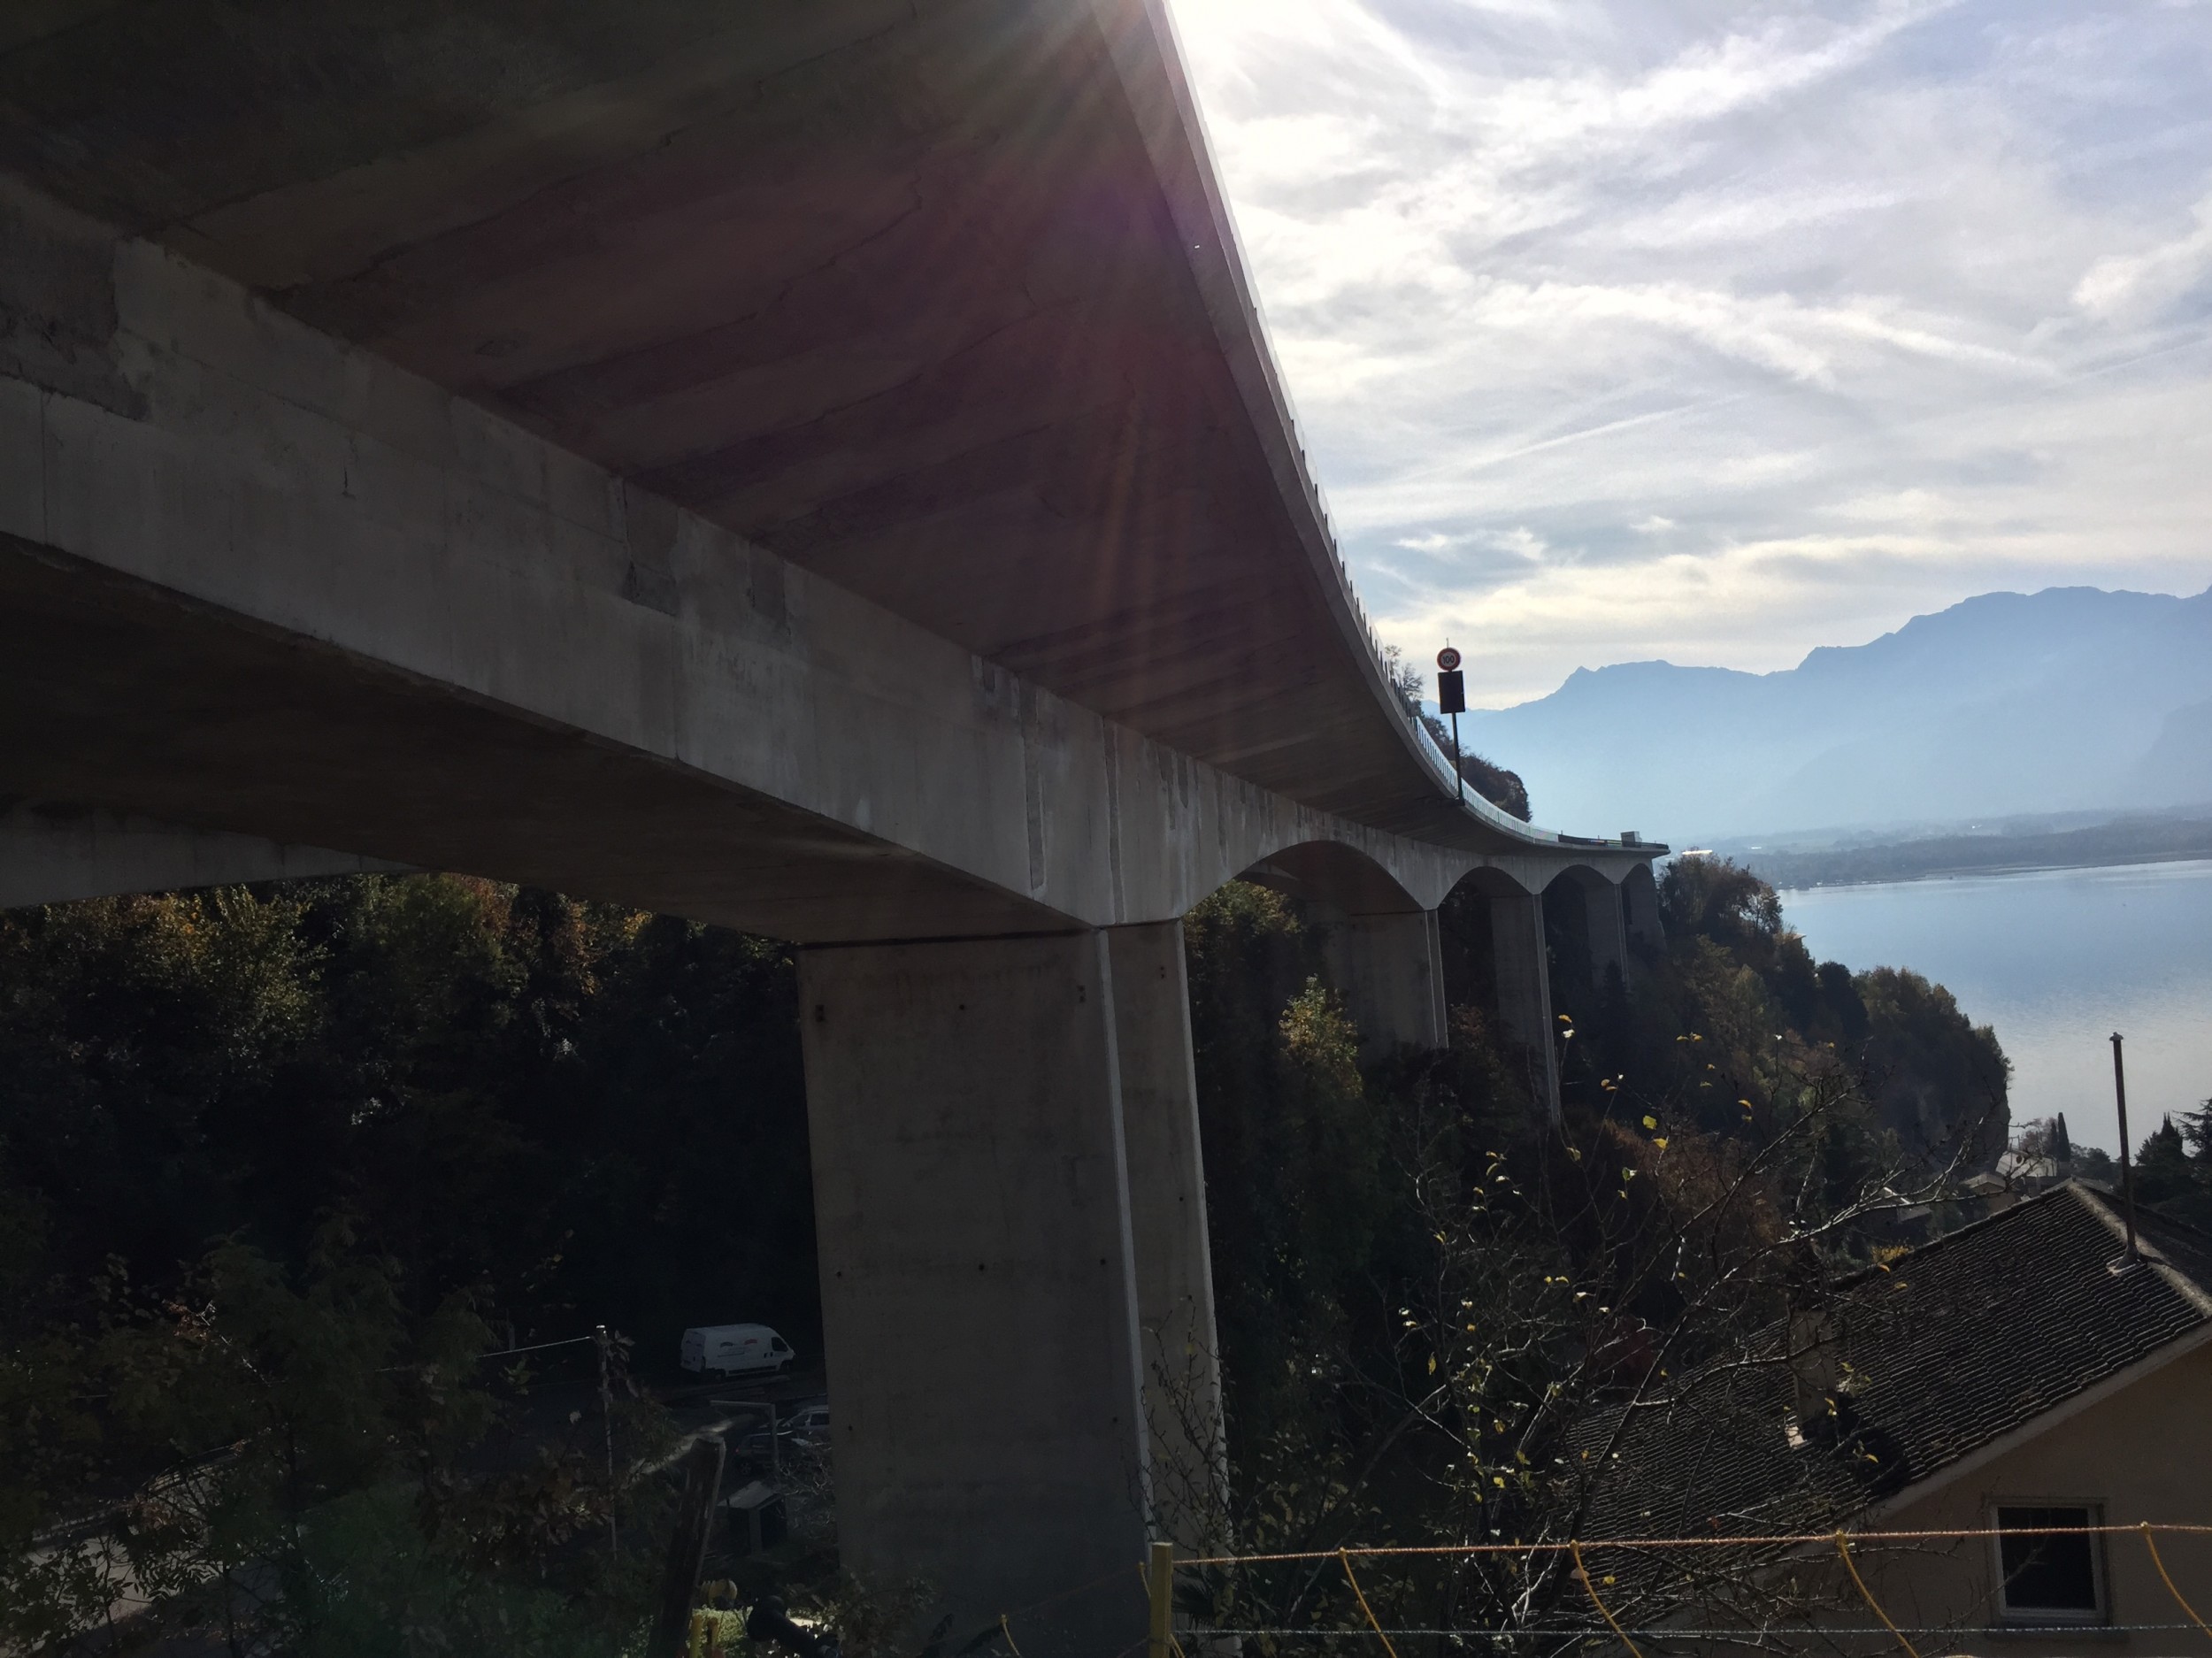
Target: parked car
(734, 1350)
(806, 1429)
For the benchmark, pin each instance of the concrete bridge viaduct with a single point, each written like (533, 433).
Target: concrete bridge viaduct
(813, 467)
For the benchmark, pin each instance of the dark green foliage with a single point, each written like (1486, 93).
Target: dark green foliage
(2162, 1164)
(277, 1164)
(2173, 1167)
(1424, 1294)
(1291, 1148)
(294, 1461)
(1735, 997)
(428, 1107)
(587, 1116)
(1938, 1080)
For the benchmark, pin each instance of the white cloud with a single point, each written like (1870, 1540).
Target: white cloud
(1522, 542)
(2137, 284)
(1719, 333)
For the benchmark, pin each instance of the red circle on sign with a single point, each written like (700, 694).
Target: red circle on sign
(1448, 659)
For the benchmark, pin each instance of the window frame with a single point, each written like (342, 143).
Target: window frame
(2101, 1583)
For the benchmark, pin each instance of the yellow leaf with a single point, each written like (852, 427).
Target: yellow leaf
(1432, 1364)
(1659, 1141)
(1651, 1122)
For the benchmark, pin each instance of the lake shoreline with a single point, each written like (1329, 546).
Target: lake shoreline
(2055, 960)
(1979, 870)
(2125, 844)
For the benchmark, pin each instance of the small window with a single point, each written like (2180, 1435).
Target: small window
(2048, 1565)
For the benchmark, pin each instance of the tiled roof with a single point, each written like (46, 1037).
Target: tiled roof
(1957, 1343)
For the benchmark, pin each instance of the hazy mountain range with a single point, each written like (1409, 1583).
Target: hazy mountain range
(2069, 700)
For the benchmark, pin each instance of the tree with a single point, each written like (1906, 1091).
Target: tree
(1534, 1290)
(1428, 1368)
(2168, 1175)
(503, 1087)
(293, 1461)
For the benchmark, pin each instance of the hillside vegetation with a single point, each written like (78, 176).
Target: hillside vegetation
(277, 1164)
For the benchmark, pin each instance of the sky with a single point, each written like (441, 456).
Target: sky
(1624, 329)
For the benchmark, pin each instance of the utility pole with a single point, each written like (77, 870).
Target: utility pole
(606, 1416)
(1451, 696)
(2127, 1171)
(1159, 1583)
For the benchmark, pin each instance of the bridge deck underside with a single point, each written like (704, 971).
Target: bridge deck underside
(896, 292)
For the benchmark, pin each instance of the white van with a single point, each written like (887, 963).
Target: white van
(734, 1350)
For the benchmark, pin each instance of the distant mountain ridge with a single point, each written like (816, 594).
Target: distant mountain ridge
(2072, 698)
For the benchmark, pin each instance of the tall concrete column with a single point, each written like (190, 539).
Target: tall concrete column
(1523, 975)
(1179, 1349)
(1390, 971)
(971, 1212)
(1639, 909)
(1607, 919)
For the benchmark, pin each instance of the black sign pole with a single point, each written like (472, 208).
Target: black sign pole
(1451, 696)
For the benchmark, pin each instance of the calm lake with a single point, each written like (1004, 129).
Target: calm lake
(2056, 960)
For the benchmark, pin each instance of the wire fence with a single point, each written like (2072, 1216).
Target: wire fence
(1167, 1640)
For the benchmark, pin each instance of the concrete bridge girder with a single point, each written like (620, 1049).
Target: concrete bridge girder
(479, 595)
(54, 854)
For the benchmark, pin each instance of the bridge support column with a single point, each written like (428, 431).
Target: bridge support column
(1639, 909)
(1607, 920)
(1179, 1350)
(1390, 970)
(1523, 976)
(978, 1282)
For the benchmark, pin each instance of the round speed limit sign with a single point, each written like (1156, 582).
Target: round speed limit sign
(1448, 659)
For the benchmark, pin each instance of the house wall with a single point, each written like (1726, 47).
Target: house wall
(2144, 1453)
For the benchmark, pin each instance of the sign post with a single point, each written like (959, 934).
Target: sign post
(1451, 696)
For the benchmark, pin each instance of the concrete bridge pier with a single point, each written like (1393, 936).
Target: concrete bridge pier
(1521, 961)
(1177, 1350)
(1639, 909)
(1389, 967)
(979, 1263)
(1604, 921)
